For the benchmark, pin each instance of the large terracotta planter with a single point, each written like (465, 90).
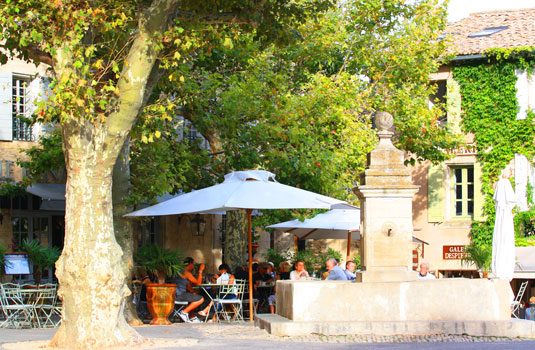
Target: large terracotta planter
(160, 301)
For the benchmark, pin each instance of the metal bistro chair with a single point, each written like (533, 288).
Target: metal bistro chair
(245, 300)
(45, 307)
(515, 305)
(17, 313)
(229, 301)
(179, 305)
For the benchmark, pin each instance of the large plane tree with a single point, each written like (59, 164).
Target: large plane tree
(105, 58)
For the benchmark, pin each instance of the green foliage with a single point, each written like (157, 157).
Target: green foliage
(525, 228)
(160, 261)
(276, 256)
(356, 260)
(478, 255)
(481, 232)
(490, 109)
(3, 261)
(40, 257)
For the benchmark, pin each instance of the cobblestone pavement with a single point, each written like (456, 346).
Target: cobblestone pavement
(245, 336)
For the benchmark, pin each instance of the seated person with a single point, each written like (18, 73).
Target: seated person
(424, 272)
(350, 271)
(335, 271)
(241, 273)
(530, 311)
(299, 272)
(182, 293)
(224, 277)
(284, 270)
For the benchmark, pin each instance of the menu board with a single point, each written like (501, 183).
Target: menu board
(17, 264)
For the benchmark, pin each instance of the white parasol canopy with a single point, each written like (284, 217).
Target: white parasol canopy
(252, 189)
(334, 224)
(503, 239)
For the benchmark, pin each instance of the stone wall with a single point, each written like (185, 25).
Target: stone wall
(434, 300)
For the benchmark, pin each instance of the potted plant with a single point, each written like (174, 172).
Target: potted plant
(41, 257)
(3, 262)
(480, 256)
(161, 263)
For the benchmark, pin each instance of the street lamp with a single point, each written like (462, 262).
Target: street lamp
(197, 225)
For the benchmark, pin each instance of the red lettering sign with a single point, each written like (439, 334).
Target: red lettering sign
(453, 252)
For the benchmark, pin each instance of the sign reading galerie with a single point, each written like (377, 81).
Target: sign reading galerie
(453, 252)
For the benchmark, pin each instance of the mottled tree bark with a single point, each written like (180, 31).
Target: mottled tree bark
(236, 239)
(90, 269)
(124, 229)
(91, 280)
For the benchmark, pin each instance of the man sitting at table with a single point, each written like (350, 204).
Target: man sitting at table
(299, 272)
(350, 271)
(182, 293)
(335, 271)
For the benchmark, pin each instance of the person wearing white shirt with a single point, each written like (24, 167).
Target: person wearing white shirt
(424, 273)
(299, 273)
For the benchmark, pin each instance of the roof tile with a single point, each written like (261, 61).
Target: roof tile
(520, 31)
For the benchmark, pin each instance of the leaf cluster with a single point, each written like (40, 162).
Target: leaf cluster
(479, 255)
(158, 260)
(41, 257)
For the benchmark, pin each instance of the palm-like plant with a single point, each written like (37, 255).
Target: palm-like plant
(160, 262)
(3, 262)
(478, 255)
(41, 257)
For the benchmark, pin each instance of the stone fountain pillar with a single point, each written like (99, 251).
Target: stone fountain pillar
(386, 192)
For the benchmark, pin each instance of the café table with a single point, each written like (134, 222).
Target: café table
(207, 288)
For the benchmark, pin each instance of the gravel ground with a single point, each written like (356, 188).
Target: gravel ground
(245, 336)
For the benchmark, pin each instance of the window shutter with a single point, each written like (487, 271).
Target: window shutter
(6, 118)
(525, 93)
(435, 193)
(33, 94)
(453, 105)
(479, 196)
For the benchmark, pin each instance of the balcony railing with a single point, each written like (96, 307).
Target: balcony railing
(22, 131)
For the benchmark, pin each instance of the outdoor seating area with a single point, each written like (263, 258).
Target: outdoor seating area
(29, 306)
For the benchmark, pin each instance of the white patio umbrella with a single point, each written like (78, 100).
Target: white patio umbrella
(503, 238)
(253, 189)
(334, 224)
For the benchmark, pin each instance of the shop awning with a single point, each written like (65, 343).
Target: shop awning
(53, 195)
(525, 263)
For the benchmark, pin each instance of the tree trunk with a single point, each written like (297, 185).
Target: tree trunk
(124, 230)
(91, 285)
(236, 239)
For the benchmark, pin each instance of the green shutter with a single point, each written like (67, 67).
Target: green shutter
(435, 193)
(479, 196)
(453, 105)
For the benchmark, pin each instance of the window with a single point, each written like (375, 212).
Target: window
(439, 97)
(20, 229)
(463, 191)
(488, 31)
(148, 233)
(22, 131)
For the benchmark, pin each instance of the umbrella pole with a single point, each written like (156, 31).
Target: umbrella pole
(250, 239)
(348, 245)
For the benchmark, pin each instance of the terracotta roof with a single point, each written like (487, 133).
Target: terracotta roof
(520, 31)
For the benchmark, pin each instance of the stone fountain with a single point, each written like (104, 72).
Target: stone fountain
(387, 298)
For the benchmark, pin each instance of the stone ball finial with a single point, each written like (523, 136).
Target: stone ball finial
(383, 121)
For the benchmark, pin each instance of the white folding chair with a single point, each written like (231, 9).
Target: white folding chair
(179, 305)
(515, 305)
(17, 312)
(229, 303)
(45, 307)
